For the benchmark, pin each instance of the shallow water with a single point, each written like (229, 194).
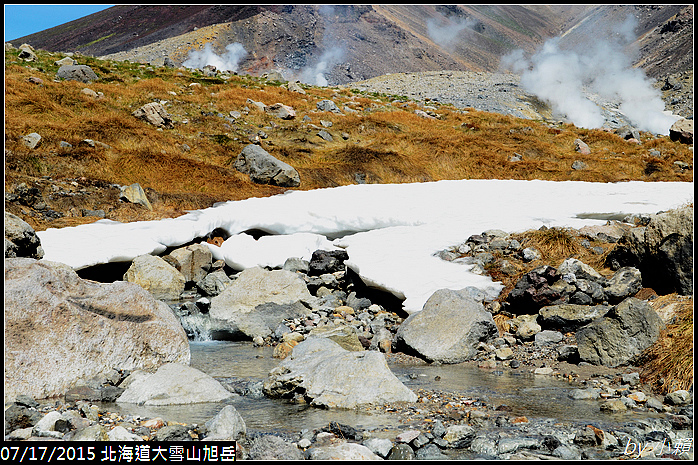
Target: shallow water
(533, 396)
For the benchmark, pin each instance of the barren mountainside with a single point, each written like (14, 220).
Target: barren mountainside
(354, 42)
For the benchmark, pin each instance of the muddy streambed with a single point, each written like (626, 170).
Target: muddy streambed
(243, 364)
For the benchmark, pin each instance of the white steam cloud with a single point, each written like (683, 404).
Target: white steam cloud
(445, 33)
(560, 77)
(315, 75)
(229, 61)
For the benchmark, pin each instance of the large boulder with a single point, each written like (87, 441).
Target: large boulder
(669, 242)
(662, 251)
(448, 329)
(21, 239)
(156, 276)
(171, 384)
(193, 261)
(329, 376)
(626, 330)
(259, 300)
(82, 73)
(570, 317)
(61, 329)
(263, 168)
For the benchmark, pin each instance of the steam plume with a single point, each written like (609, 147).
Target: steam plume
(561, 76)
(315, 75)
(445, 33)
(229, 61)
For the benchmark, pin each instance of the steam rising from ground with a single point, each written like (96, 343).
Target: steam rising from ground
(315, 75)
(602, 67)
(445, 33)
(229, 61)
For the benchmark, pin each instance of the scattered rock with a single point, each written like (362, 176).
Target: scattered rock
(82, 73)
(135, 194)
(31, 140)
(155, 114)
(581, 147)
(265, 169)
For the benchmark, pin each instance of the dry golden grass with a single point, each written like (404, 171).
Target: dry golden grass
(555, 245)
(668, 364)
(384, 142)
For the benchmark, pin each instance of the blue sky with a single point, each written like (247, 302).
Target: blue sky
(22, 20)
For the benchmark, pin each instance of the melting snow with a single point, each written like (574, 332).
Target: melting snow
(391, 231)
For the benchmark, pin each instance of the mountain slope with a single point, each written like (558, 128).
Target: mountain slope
(349, 43)
(366, 40)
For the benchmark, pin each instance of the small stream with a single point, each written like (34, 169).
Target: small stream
(230, 362)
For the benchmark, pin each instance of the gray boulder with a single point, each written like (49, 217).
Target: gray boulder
(524, 326)
(27, 54)
(192, 261)
(259, 300)
(263, 168)
(327, 105)
(580, 270)
(448, 329)
(155, 114)
(271, 447)
(156, 276)
(65, 61)
(624, 283)
(342, 451)
(172, 384)
(82, 73)
(548, 337)
(329, 376)
(570, 317)
(61, 329)
(227, 425)
(21, 239)
(459, 436)
(213, 283)
(625, 331)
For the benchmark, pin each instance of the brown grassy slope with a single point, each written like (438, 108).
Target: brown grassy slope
(190, 166)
